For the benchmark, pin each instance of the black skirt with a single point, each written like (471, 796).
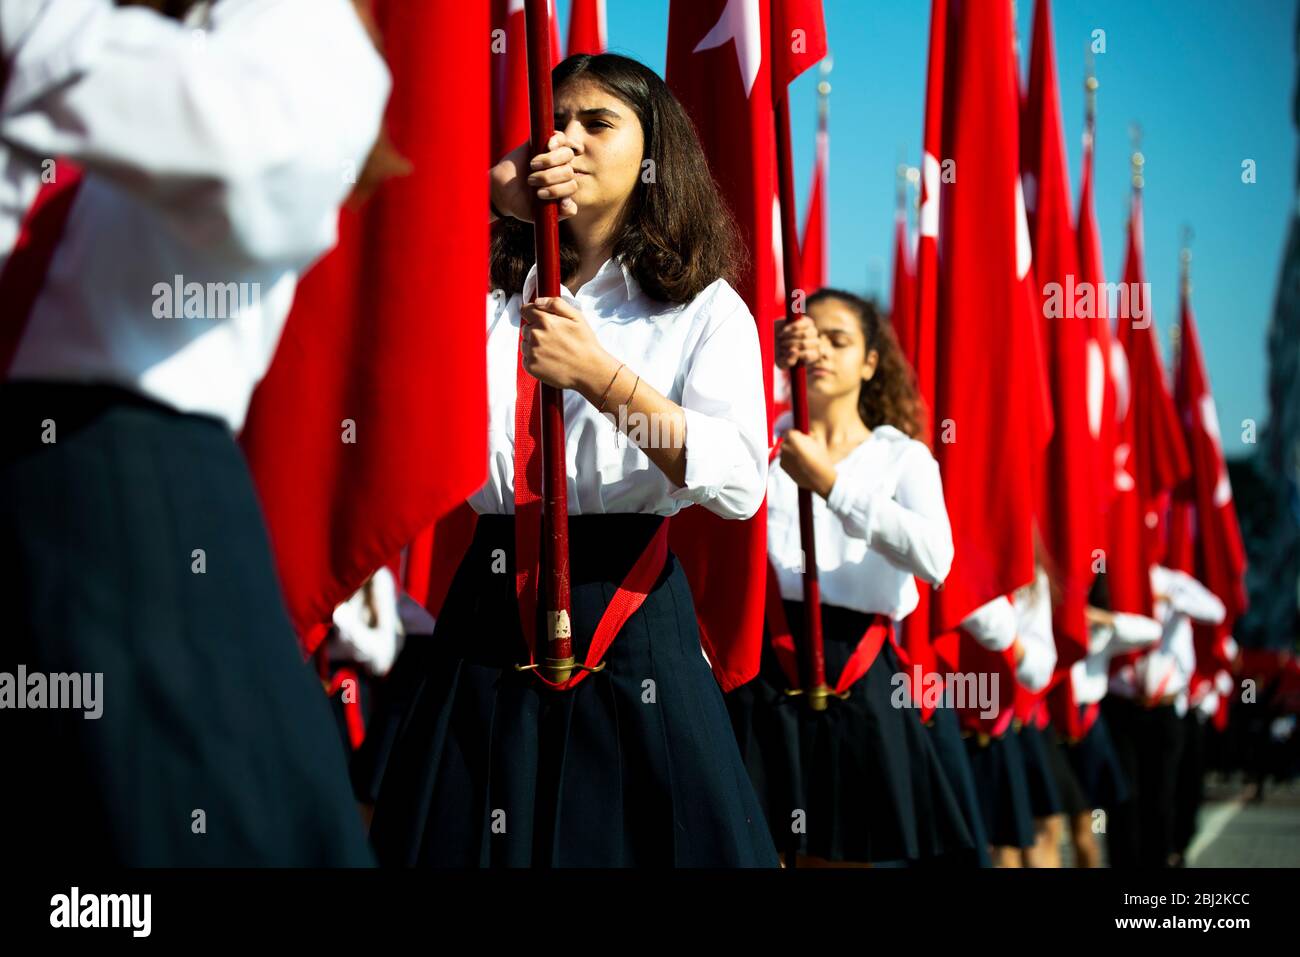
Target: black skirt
(476, 764)
(215, 745)
(859, 781)
(1096, 766)
(945, 734)
(1003, 788)
(1044, 798)
(1074, 800)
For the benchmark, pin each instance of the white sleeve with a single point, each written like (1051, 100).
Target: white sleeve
(247, 137)
(910, 529)
(993, 625)
(1132, 632)
(1188, 596)
(374, 646)
(1034, 627)
(726, 414)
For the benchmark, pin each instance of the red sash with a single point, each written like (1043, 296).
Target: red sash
(860, 661)
(528, 538)
(24, 273)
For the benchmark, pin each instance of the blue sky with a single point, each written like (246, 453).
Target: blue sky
(1210, 83)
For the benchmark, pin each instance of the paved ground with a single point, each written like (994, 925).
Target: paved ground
(1235, 831)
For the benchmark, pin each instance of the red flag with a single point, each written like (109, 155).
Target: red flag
(1150, 455)
(798, 40)
(587, 32)
(718, 68)
(987, 454)
(902, 305)
(1101, 347)
(813, 263)
(917, 627)
(351, 437)
(510, 73)
(1204, 536)
(1065, 501)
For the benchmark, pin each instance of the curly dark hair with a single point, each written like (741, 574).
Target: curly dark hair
(677, 235)
(889, 397)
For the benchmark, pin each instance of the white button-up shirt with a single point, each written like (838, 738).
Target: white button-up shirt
(884, 522)
(216, 161)
(703, 355)
(1167, 669)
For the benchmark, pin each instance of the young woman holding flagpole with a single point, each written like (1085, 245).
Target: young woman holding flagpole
(859, 781)
(631, 760)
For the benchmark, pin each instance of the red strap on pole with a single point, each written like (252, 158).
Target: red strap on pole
(880, 630)
(29, 261)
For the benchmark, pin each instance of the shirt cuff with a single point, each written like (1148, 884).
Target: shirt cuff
(713, 453)
(993, 625)
(858, 515)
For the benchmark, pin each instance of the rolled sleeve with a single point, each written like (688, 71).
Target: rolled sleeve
(910, 529)
(726, 413)
(993, 625)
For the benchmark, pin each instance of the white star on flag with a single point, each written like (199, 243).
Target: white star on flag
(739, 22)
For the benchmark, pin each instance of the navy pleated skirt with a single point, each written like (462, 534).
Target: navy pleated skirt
(133, 546)
(860, 781)
(945, 735)
(1074, 800)
(1003, 787)
(475, 764)
(1096, 766)
(1044, 797)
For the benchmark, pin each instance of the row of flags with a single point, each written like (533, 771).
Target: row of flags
(370, 428)
(1118, 474)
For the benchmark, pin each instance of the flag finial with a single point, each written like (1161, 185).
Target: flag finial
(824, 89)
(905, 176)
(1090, 86)
(1138, 160)
(1185, 260)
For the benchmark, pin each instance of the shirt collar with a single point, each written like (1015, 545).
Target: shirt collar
(598, 286)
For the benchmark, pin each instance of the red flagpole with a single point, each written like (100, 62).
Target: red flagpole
(812, 602)
(559, 661)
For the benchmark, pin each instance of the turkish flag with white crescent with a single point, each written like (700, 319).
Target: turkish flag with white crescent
(720, 66)
(1065, 498)
(1150, 454)
(916, 627)
(991, 411)
(1101, 346)
(372, 420)
(1204, 535)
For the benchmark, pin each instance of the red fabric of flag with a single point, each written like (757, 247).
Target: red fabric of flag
(990, 424)
(372, 420)
(1065, 497)
(1204, 535)
(718, 68)
(813, 264)
(587, 30)
(1150, 454)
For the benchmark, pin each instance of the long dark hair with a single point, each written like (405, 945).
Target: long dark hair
(890, 396)
(677, 235)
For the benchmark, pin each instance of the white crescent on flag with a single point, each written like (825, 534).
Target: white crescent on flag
(1210, 422)
(1096, 387)
(929, 215)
